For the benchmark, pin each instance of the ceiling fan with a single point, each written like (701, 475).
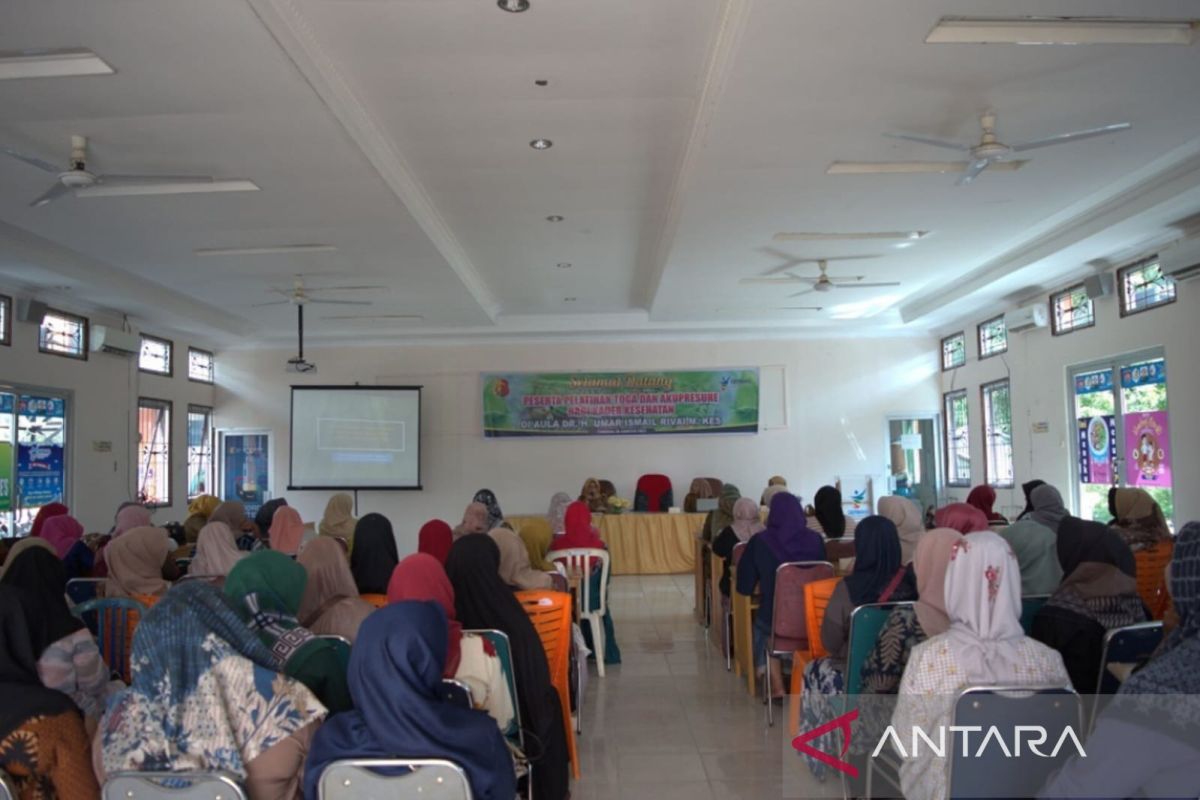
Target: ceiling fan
(822, 282)
(790, 261)
(300, 295)
(77, 176)
(989, 152)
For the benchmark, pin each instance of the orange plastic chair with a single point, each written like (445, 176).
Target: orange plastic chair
(550, 613)
(816, 599)
(376, 600)
(1151, 576)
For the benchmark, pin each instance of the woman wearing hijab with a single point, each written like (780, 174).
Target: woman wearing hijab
(592, 496)
(1099, 593)
(827, 503)
(45, 514)
(984, 645)
(43, 743)
(483, 601)
(1137, 518)
(267, 588)
(537, 536)
(216, 551)
(395, 678)
(204, 505)
(374, 555)
(475, 519)
(776, 484)
(721, 517)
(786, 538)
(286, 530)
(435, 539)
(140, 565)
(1048, 508)
(961, 517)
(488, 498)
(206, 696)
(983, 497)
(910, 523)
(745, 524)
(129, 515)
(338, 519)
(556, 514)
(1035, 547)
(1027, 489)
(70, 662)
(65, 533)
(579, 533)
(331, 604)
(469, 657)
(1143, 746)
(515, 569)
(28, 543)
(233, 514)
(266, 515)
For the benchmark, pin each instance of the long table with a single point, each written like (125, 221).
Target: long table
(647, 544)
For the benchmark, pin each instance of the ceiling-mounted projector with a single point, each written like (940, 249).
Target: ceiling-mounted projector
(299, 365)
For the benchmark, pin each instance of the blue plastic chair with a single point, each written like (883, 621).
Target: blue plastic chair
(80, 590)
(173, 786)
(1130, 645)
(457, 692)
(385, 778)
(112, 621)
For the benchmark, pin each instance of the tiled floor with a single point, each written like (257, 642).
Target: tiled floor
(670, 722)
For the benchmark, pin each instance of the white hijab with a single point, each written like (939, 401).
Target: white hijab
(983, 600)
(216, 551)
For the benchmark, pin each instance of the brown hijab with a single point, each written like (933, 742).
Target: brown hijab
(515, 569)
(331, 604)
(135, 563)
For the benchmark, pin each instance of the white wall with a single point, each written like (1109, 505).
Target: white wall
(839, 392)
(103, 395)
(1039, 362)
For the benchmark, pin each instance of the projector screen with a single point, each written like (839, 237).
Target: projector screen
(355, 437)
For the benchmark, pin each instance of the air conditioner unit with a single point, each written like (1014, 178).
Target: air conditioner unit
(1026, 318)
(117, 342)
(1181, 260)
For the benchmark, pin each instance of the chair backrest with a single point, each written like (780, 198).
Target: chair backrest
(1031, 604)
(1132, 644)
(499, 642)
(736, 556)
(816, 600)
(112, 620)
(333, 637)
(80, 590)
(457, 692)
(8, 790)
(173, 786)
(1151, 576)
(550, 613)
(866, 622)
(376, 600)
(987, 771)
(789, 622)
(388, 778)
(653, 493)
(579, 561)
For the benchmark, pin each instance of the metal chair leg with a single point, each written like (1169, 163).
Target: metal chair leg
(767, 692)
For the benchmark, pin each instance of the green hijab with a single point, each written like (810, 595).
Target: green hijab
(721, 517)
(1035, 547)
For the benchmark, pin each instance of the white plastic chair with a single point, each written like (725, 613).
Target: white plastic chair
(579, 560)
(428, 779)
(172, 786)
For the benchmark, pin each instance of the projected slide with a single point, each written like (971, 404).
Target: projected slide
(356, 437)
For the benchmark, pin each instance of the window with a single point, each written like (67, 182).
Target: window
(199, 451)
(958, 439)
(993, 337)
(1071, 310)
(63, 334)
(154, 452)
(997, 434)
(156, 355)
(1143, 286)
(200, 365)
(954, 351)
(5, 319)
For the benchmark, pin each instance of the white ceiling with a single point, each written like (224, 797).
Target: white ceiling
(686, 134)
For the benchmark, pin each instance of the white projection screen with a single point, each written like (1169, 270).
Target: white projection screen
(355, 437)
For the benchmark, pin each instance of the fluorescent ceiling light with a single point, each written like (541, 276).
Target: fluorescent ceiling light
(178, 187)
(51, 64)
(909, 167)
(1061, 30)
(278, 249)
(850, 237)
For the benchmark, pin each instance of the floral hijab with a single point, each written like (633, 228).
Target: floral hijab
(558, 512)
(488, 498)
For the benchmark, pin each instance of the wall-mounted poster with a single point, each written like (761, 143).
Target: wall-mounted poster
(6, 476)
(1147, 451)
(246, 469)
(857, 499)
(1097, 449)
(597, 403)
(39, 474)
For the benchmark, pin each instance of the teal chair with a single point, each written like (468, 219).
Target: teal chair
(1030, 606)
(866, 622)
(514, 733)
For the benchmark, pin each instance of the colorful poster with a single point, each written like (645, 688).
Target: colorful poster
(598, 403)
(39, 474)
(1147, 451)
(1144, 374)
(6, 475)
(1088, 382)
(246, 470)
(1097, 449)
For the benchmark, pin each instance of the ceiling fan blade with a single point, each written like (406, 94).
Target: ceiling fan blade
(274, 303)
(371, 317)
(33, 161)
(798, 308)
(972, 171)
(339, 302)
(1071, 137)
(311, 289)
(801, 294)
(865, 285)
(779, 281)
(913, 167)
(55, 192)
(930, 140)
(147, 180)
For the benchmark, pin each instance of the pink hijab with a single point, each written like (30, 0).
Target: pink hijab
(287, 530)
(62, 532)
(930, 563)
(132, 516)
(961, 517)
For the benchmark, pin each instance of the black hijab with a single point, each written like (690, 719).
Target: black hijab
(42, 577)
(828, 505)
(1028, 488)
(374, 556)
(1081, 541)
(266, 513)
(22, 694)
(876, 561)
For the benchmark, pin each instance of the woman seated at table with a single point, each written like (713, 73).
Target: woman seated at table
(331, 604)
(580, 533)
(787, 537)
(720, 517)
(140, 565)
(744, 525)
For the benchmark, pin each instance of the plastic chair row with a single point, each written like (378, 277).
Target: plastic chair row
(550, 613)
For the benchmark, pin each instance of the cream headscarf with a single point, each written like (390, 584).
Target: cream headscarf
(930, 563)
(339, 518)
(909, 522)
(515, 569)
(216, 551)
(135, 563)
(287, 530)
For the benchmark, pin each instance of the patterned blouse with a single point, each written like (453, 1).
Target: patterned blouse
(73, 666)
(884, 667)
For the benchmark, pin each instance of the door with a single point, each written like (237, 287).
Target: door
(912, 458)
(33, 456)
(1122, 431)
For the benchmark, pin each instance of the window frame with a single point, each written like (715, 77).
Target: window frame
(1121, 297)
(6, 329)
(984, 410)
(170, 407)
(951, 479)
(1054, 328)
(198, 408)
(87, 335)
(942, 356)
(979, 337)
(170, 373)
(212, 356)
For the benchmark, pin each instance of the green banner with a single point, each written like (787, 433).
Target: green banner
(6, 481)
(599, 403)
